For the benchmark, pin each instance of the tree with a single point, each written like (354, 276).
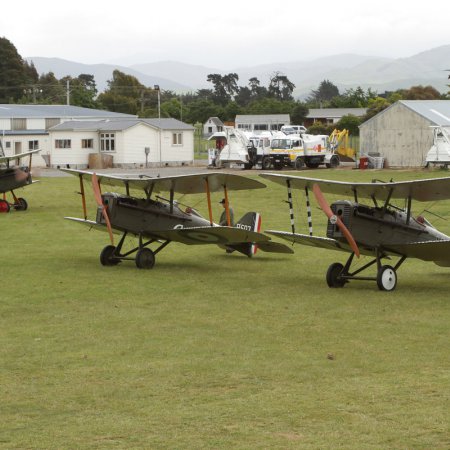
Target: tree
(353, 98)
(225, 86)
(299, 113)
(83, 90)
(350, 123)
(125, 94)
(280, 87)
(323, 94)
(16, 75)
(201, 110)
(375, 106)
(421, 93)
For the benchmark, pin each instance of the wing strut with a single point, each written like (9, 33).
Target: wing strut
(291, 208)
(227, 205)
(308, 211)
(208, 197)
(83, 198)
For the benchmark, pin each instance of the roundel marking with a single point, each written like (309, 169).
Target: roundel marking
(204, 237)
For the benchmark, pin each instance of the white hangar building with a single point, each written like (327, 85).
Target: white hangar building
(402, 133)
(69, 135)
(129, 142)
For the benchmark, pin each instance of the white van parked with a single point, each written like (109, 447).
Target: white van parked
(293, 129)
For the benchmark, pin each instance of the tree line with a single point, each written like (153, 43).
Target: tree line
(20, 83)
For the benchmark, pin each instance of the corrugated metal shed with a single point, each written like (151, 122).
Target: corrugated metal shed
(402, 133)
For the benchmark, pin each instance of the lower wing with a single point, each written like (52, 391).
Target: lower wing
(226, 236)
(436, 251)
(312, 241)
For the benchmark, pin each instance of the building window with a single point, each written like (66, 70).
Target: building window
(209, 129)
(63, 143)
(260, 126)
(33, 145)
(87, 143)
(18, 124)
(8, 144)
(107, 142)
(177, 139)
(51, 122)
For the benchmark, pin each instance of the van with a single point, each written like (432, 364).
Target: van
(293, 129)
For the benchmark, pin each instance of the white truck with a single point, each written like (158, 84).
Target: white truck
(234, 146)
(297, 151)
(439, 152)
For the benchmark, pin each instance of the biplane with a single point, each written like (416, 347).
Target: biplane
(157, 220)
(375, 228)
(13, 177)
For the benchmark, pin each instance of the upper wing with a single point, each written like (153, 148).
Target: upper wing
(421, 190)
(181, 184)
(18, 156)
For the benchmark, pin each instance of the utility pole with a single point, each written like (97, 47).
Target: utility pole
(68, 92)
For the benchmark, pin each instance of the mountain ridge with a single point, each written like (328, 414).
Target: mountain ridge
(345, 70)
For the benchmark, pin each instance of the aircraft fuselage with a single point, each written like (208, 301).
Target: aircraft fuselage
(374, 227)
(13, 178)
(141, 216)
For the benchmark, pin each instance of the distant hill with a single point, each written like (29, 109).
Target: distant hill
(345, 71)
(102, 73)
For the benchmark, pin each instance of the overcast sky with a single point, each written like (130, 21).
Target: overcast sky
(222, 35)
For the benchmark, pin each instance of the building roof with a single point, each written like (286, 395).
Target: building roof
(263, 118)
(120, 125)
(216, 121)
(436, 111)
(54, 111)
(23, 133)
(335, 113)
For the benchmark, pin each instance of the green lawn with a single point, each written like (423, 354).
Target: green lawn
(212, 350)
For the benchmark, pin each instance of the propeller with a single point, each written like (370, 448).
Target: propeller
(334, 219)
(98, 199)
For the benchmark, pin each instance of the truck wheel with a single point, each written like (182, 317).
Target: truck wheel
(266, 163)
(248, 166)
(311, 165)
(334, 162)
(299, 163)
(277, 166)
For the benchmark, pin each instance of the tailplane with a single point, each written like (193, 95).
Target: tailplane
(250, 222)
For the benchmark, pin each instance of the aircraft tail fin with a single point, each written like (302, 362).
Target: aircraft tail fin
(251, 221)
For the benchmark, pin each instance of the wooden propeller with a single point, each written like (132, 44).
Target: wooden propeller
(98, 199)
(333, 218)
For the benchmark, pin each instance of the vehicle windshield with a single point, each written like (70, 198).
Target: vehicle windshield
(281, 143)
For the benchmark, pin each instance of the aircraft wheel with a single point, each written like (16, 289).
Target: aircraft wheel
(333, 276)
(107, 256)
(386, 278)
(266, 163)
(145, 259)
(21, 205)
(4, 206)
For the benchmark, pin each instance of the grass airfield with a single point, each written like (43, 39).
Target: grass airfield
(212, 350)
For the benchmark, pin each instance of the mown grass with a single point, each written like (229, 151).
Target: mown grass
(211, 350)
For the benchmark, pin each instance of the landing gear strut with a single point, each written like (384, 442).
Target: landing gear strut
(144, 257)
(386, 278)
